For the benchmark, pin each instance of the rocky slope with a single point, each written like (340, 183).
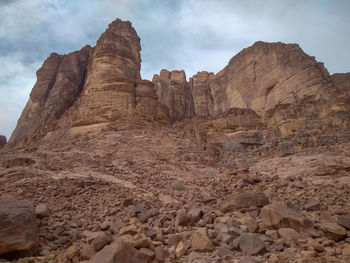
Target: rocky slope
(247, 165)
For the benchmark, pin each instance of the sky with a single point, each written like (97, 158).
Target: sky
(193, 35)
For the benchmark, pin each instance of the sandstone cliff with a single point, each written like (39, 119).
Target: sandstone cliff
(90, 86)
(279, 82)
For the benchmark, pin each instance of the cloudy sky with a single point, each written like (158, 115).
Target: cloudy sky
(175, 34)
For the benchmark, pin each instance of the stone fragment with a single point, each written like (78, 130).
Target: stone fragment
(333, 231)
(87, 251)
(41, 210)
(146, 254)
(313, 206)
(101, 240)
(18, 227)
(131, 229)
(182, 219)
(251, 223)
(150, 213)
(180, 249)
(243, 200)
(251, 244)
(289, 235)
(201, 241)
(161, 253)
(344, 221)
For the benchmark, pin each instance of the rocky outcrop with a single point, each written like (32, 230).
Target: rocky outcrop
(268, 85)
(59, 83)
(174, 91)
(89, 86)
(110, 88)
(3, 140)
(18, 228)
(201, 93)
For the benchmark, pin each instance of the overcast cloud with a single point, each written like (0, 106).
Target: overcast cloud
(193, 35)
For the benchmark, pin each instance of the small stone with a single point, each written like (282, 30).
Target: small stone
(344, 221)
(146, 254)
(101, 240)
(313, 206)
(182, 219)
(333, 231)
(150, 213)
(346, 251)
(161, 253)
(86, 252)
(42, 211)
(131, 229)
(289, 235)
(195, 214)
(71, 252)
(201, 241)
(141, 242)
(180, 249)
(224, 253)
(252, 225)
(251, 244)
(105, 225)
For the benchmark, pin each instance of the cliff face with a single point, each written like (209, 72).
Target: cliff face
(174, 91)
(278, 82)
(90, 86)
(59, 83)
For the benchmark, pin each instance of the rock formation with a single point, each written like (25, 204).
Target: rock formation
(89, 86)
(3, 140)
(174, 91)
(103, 84)
(18, 228)
(247, 165)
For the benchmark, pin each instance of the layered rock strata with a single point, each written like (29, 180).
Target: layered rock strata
(174, 91)
(283, 86)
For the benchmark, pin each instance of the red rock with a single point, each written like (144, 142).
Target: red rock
(18, 227)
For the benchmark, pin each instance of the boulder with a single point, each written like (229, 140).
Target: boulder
(18, 228)
(243, 200)
(251, 244)
(277, 216)
(117, 252)
(201, 241)
(344, 221)
(333, 231)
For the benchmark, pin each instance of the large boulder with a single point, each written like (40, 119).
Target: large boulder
(243, 200)
(18, 228)
(117, 252)
(277, 216)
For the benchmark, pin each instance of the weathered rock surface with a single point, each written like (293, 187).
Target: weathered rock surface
(3, 140)
(143, 171)
(251, 245)
(243, 200)
(174, 91)
(60, 81)
(201, 93)
(18, 228)
(118, 251)
(277, 216)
